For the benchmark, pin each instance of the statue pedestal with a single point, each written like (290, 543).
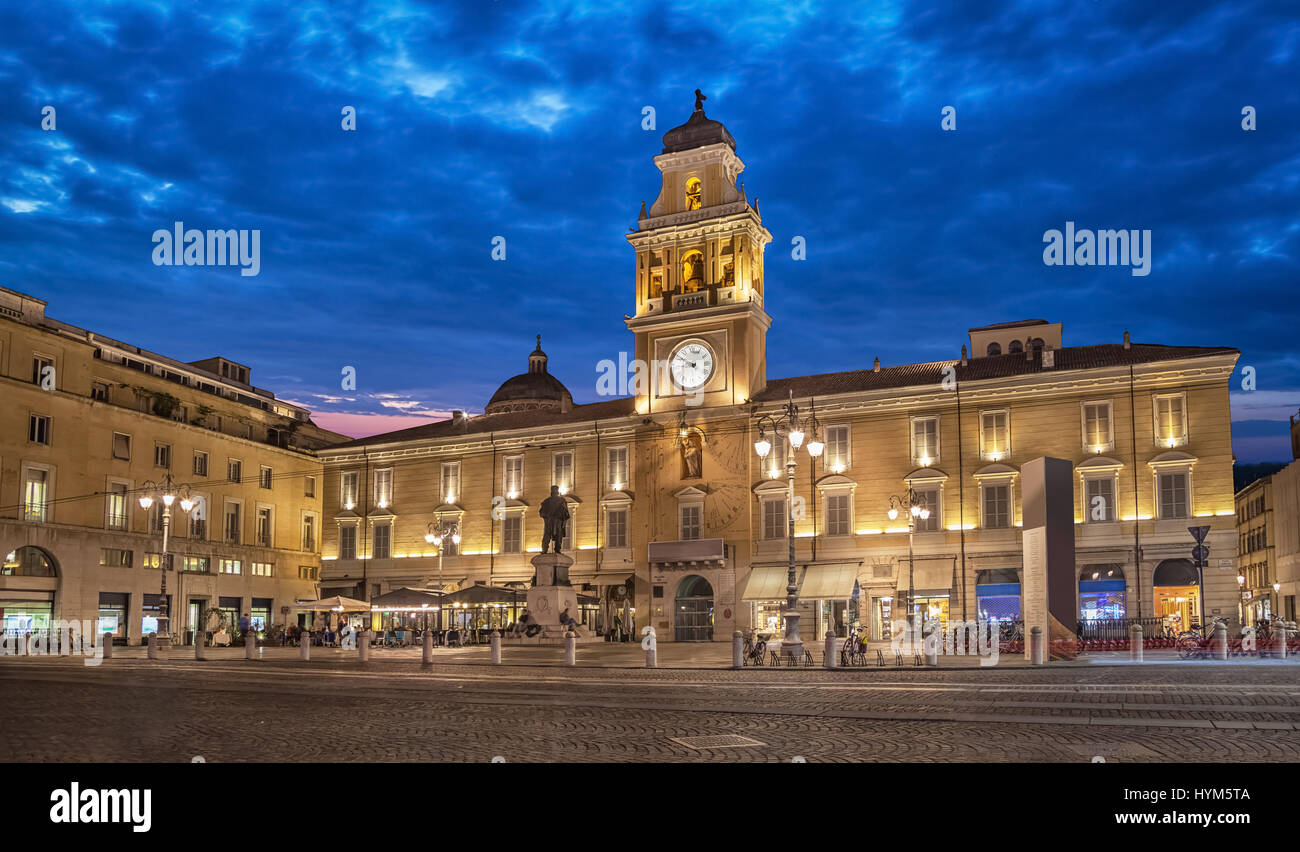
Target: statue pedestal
(551, 595)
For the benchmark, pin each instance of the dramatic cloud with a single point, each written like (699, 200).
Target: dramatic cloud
(523, 120)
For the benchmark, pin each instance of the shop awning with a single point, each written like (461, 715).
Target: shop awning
(931, 575)
(404, 599)
(829, 582)
(766, 583)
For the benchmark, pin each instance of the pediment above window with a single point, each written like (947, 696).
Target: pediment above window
(1173, 458)
(927, 476)
(347, 515)
(997, 471)
(1098, 464)
(834, 483)
(614, 497)
(449, 509)
(771, 488)
(690, 494)
(381, 514)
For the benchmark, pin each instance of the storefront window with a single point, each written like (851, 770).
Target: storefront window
(1101, 599)
(931, 609)
(882, 619)
(25, 616)
(766, 616)
(112, 613)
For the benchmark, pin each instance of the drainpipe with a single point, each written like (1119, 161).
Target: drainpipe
(1137, 515)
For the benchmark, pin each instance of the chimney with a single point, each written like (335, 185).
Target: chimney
(963, 355)
(457, 416)
(1049, 357)
(876, 369)
(1126, 340)
(1029, 349)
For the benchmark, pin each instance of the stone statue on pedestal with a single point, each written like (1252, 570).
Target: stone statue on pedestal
(555, 512)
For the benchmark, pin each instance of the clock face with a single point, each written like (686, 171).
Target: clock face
(692, 366)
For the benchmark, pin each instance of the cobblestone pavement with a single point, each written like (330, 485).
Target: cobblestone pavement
(462, 709)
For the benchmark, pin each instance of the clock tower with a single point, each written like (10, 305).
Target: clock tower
(699, 317)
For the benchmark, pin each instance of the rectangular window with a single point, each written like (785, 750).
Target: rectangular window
(512, 528)
(1173, 495)
(36, 496)
(234, 470)
(1099, 500)
(1171, 420)
(837, 448)
(99, 391)
(38, 429)
(309, 487)
(616, 534)
(995, 435)
(383, 545)
(121, 446)
(839, 519)
(232, 525)
(347, 542)
(774, 518)
(513, 473)
(1097, 431)
(562, 465)
(155, 515)
(264, 477)
(230, 566)
(42, 369)
(997, 506)
(116, 517)
(115, 557)
(931, 498)
(774, 465)
(307, 572)
(383, 487)
(616, 474)
(308, 532)
(264, 526)
(690, 522)
(152, 560)
(450, 482)
(195, 564)
(199, 518)
(162, 455)
(200, 463)
(348, 489)
(925, 440)
(260, 569)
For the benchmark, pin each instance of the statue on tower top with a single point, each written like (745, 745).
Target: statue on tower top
(699, 100)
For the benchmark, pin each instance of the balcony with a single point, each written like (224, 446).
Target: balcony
(696, 553)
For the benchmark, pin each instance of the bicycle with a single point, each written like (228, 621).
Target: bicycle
(1194, 643)
(854, 650)
(754, 650)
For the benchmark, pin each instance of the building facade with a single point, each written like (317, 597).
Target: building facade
(87, 425)
(1283, 525)
(677, 522)
(1256, 542)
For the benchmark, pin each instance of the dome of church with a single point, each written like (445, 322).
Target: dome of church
(536, 390)
(698, 131)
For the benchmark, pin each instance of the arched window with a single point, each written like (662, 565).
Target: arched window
(995, 349)
(693, 194)
(29, 562)
(1037, 344)
(1015, 346)
(692, 271)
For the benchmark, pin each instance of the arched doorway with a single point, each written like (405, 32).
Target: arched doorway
(28, 577)
(1101, 592)
(1177, 593)
(693, 610)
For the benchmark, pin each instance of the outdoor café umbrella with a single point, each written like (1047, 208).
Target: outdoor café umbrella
(337, 603)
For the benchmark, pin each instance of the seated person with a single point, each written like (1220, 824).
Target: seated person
(567, 621)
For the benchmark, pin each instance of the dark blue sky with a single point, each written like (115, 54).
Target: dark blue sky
(524, 120)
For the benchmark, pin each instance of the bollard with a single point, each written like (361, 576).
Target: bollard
(304, 646)
(651, 646)
(1036, 645)
(1135, 643)
(931, 647)
(828, 657)
(1279, 644)
(570, 648)
(737, 650)
(153, 646)
(363, 646)
(199, 650)
(428, 647)
(106, 639)
(495, 641)
(1219, 643)
(250, 645)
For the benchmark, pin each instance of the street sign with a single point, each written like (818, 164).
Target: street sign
(1200, 553)
(1198, 533)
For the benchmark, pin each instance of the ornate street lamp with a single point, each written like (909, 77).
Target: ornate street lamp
(914, 505)
(1241, 602)
(165, 493)
(787, 426)
(437, 534)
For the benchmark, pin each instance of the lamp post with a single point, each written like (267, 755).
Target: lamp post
(438, 533)
(914, 505)
(1241, 599)
(787, 426)
(1276, 602)
(166, 493)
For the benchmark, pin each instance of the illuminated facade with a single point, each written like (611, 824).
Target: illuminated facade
(670, 500)
(85, 423)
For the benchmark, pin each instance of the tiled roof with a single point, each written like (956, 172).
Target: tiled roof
(905, 375)
(989, 367)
